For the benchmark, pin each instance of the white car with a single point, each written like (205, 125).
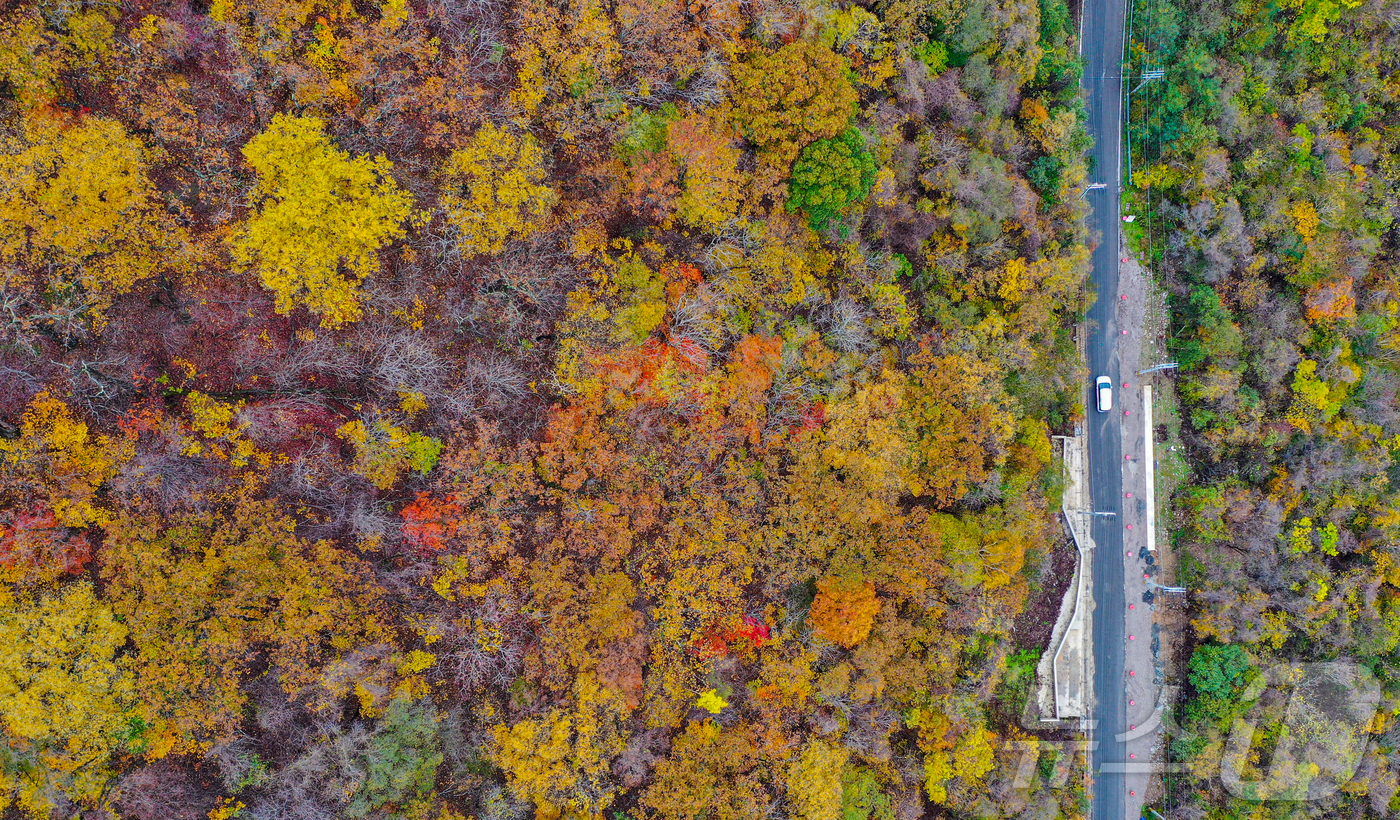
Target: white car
(1103, 390)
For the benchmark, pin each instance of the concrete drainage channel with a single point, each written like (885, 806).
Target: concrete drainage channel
(1065, 666)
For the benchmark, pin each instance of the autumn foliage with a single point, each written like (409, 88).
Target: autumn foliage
(320, 209)
(447, 409)
(1283, 299)
(844, 610)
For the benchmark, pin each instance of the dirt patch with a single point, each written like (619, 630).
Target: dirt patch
(1032, 628)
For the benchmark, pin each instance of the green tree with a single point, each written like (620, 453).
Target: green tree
(830, 178)
(1044, 174)
(862, 798)
(383, 451)
(402, 760)
(1218, 670)
(320, 211)
(1216, 335)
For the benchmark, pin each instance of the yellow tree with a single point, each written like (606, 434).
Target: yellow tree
(204, 592)
(791, 97)
(78, 209)
(64, 696)
(566, 49)
(495, 189)
(814, 780)
(321, 211)
(561, 761)
(696, 575)
(57, 465)
(711, 183)
(844, 610)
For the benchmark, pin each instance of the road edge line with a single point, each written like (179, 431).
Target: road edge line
(1150, 524)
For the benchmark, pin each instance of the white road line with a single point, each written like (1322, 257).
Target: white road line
(1082, 9)
(1150, 496)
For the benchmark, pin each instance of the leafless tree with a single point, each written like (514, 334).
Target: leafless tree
(102, 385)
(405, 361)
(308, 362)
(487, 381)
(483, 641)
(163, 790)
(699, 317)
(706, 85)
(844, 322)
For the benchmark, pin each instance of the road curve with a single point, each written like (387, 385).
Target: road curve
(1101, 33)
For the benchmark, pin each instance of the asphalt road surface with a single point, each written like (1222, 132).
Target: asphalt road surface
(1102, 44)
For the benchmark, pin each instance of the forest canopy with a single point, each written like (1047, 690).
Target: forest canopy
(1266, 158)
(473, 409)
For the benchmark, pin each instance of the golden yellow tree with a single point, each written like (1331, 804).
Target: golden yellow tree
(64, 696)
(814, 780)
(583, 617)
(495, 189)
(788, 98)
(710, 773)
(33, 57)
(959, 421)
(29, 64)
(864, 438)
(320, 211)
(204, 592)
(844, 609)
(78, 209)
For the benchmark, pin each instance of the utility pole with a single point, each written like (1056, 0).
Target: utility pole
(1154, 74)
(1156, 367)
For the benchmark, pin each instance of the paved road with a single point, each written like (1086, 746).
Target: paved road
(1102, 45)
